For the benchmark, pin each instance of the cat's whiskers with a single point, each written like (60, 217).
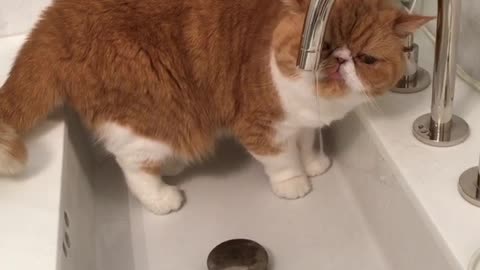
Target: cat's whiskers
(371, 102)
(315, 75)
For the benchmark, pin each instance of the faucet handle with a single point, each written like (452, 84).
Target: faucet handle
(416, 78)
(469, 185)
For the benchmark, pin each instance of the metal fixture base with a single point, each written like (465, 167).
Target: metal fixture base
(459, 131)
(421, 82)
(469, 186)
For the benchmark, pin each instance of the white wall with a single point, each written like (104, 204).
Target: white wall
(470, 37)
(469, 43)
(18, 16)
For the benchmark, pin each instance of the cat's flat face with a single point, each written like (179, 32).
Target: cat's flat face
(363, 46)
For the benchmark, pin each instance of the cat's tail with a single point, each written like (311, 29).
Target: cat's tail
(28, 95)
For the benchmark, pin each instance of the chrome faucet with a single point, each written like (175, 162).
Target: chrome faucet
(313, 34)
(441, 127)
(415, 80)
(438, 128)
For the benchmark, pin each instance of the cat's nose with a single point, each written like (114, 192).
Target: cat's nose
(342, 55)
(340, 60)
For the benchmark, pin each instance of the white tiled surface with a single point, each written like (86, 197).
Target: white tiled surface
(18, 16)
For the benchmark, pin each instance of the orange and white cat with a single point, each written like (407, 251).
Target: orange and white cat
(157, 81)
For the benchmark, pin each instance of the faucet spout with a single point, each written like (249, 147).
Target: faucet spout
(313, 34)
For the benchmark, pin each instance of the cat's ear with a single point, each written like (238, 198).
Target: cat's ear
(406, 24)
(297, 5)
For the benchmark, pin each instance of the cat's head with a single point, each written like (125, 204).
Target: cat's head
(363, 45)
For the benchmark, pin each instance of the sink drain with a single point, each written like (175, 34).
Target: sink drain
(238, 254)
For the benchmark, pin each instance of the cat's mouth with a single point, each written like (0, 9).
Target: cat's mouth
(335, 75)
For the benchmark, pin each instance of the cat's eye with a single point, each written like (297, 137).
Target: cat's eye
(367, 59)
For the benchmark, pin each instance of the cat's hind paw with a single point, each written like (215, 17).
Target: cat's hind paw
(294, 188)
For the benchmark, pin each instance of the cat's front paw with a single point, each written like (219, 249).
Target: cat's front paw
(293, 188)
(318, 165)
(166, 200)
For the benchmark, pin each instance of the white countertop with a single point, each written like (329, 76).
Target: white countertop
(430, 175)
(30, 203)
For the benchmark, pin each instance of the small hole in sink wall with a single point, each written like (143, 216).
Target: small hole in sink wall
(65, 252)
(67, 239)
(66, 219)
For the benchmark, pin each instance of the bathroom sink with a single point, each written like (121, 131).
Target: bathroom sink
(357, 217)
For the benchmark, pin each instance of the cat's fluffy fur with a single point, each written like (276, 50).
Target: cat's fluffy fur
(157, 80)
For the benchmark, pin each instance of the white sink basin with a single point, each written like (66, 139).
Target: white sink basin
(358, 217)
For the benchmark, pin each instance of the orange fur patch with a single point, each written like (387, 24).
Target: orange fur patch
(153, 168)
(180, 71)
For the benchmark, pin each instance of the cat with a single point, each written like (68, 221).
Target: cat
(158, 81)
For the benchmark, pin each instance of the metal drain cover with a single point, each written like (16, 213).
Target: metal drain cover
(238, 254)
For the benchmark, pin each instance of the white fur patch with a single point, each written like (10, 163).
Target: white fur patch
(132, 151)
(129, 147)
(9, 165)
(349, 74)
(286, 172)
(343, 53)
(152, 192)
(303, 109)
(283, 166)
(314, 162)
(348, 70)
(302, 105)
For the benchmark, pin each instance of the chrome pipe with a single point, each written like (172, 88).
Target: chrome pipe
(445, 67)
(409, 42)
(440, 127)
(313, 33)
(416, 78)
